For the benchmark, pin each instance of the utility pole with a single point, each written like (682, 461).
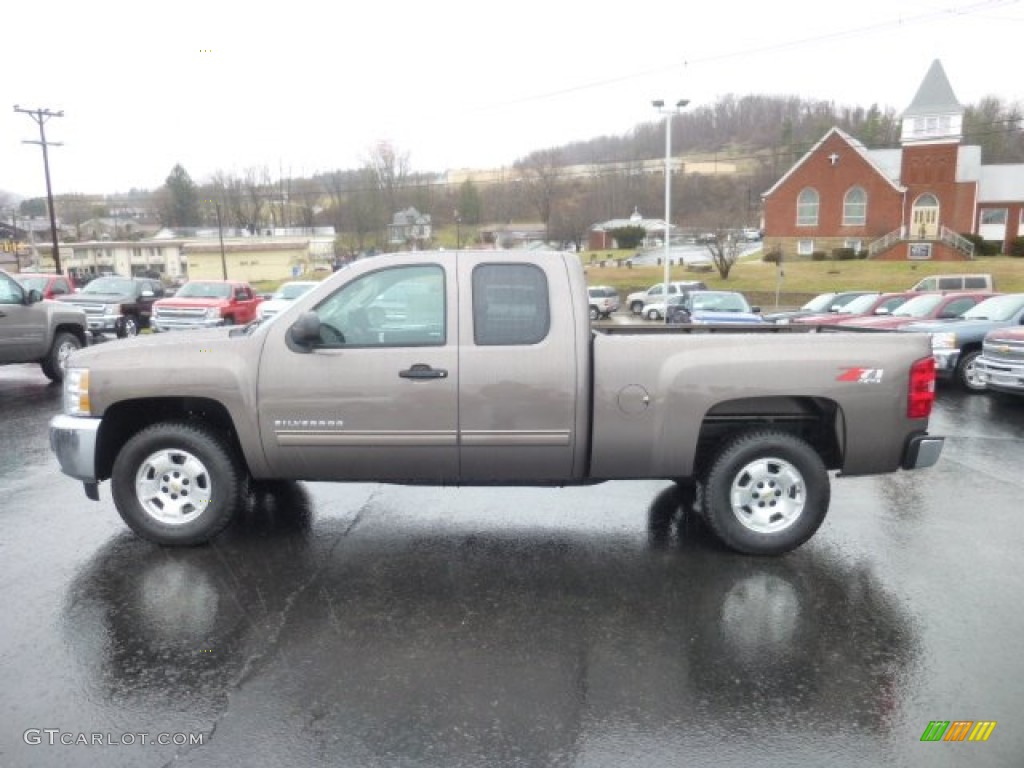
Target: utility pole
(41, 116)
(220, 233)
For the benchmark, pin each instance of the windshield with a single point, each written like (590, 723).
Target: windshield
(919, 306)
(109, 285)
(860, 305)
(292, 291)
(194, 290)
(720, 302)
(820, 303)
(1000, 308)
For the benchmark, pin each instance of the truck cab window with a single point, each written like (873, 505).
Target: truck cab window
(397, 307)
(510, 305)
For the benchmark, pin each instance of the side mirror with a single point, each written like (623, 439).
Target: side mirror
(33, 296)
(305, 331)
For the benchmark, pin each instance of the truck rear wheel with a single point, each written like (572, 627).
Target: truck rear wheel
(766, 493)
(177, 484)
(56, 361)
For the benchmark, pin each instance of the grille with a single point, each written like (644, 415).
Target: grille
(1004, 351)
(167, 313)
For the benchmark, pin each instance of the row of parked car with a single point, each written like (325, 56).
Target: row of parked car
(977, 334)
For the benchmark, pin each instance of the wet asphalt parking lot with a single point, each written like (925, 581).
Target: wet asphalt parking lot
(372, 625)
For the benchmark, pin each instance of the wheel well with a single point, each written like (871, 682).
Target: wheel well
(818, 421)
(123, 420)
(75, 330)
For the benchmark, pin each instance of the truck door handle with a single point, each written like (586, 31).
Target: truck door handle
(423, 371)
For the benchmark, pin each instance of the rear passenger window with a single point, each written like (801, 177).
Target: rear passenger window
(975, 282)
(510, 304)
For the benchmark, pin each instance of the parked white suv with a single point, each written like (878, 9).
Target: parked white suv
(637, 301)
(603, 301)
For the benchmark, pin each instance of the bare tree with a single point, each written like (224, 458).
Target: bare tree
(389, 170)
(724, 248)
(542, 174)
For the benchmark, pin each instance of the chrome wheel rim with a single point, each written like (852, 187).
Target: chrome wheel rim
(63, 353)
(768, 495)
(971, 376)
(173, 486)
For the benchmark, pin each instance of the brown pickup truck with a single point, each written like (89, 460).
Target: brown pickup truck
(481, 368)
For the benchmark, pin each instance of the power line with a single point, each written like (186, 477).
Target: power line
(967, 10)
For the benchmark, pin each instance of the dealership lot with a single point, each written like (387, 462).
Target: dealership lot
(377, 625)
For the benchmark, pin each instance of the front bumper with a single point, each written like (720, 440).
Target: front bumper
(73, 440)
(922, 451)
(104, 323)
(1001, 377)
(159, 326)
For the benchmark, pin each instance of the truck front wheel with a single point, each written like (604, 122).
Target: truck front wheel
(766, 493)
(967, 372)
(56, 361)
(127, 327)
(177, 484)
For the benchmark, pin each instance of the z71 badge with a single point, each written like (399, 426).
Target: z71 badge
(862, 375)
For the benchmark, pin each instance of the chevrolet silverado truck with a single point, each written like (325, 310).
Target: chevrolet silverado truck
(118, 305)
(1000, 367)
(37, 330)
(482, 369)
(206, 304)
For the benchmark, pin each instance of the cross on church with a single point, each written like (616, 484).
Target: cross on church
(833, 158)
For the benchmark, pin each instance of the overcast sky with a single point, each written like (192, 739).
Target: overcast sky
(302, 87)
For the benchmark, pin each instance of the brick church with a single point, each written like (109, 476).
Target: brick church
(913, 202)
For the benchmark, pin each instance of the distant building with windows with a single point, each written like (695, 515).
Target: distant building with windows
(912, 202)
(410, 227)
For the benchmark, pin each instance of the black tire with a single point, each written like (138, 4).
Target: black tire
(177, 484)
(127, 327)
(653, 314)
(56, 361)
(967, 373)
(594, 314)
(766, 493)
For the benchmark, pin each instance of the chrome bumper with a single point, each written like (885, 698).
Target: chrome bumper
(73, 440)
(922, 451)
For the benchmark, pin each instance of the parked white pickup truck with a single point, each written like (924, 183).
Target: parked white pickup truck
(481, 368)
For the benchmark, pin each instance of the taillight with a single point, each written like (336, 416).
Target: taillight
(922, 389)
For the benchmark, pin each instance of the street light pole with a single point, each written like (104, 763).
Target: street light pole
(659, 104)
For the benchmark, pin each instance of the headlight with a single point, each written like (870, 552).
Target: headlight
(76, 392)
(213, 313)
(112, 310)
(943, 341)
